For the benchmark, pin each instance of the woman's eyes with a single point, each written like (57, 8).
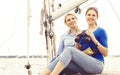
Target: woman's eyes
(70, 19)
(91, 15)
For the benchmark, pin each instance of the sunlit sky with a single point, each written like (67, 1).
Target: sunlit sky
(13, 25)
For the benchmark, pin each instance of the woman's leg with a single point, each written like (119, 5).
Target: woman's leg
(51, 66)
(71, 69)
(58, 69)
(87, 63)
(46, 71)
(75, 68)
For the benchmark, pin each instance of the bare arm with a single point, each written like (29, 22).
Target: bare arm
(102, 49)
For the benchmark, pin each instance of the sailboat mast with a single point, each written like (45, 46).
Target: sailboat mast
(28, 66)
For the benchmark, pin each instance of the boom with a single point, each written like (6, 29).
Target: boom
(70, 5)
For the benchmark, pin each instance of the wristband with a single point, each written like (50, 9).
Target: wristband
(97, 44)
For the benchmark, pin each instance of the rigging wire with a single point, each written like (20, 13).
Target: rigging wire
(117, 18)
(114, 10)
(90, 4)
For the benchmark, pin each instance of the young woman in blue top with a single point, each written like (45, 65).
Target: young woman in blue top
(86, 64)
(67, 39)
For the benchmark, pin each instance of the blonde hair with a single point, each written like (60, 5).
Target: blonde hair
(68, 15)
(77, 28)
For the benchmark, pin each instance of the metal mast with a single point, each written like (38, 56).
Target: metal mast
(46, 20)
(28, 66)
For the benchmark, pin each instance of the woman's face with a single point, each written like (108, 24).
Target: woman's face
(91, 17)
(71, 21)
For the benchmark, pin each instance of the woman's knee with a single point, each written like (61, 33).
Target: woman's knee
(100, 70)
(70, 49)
